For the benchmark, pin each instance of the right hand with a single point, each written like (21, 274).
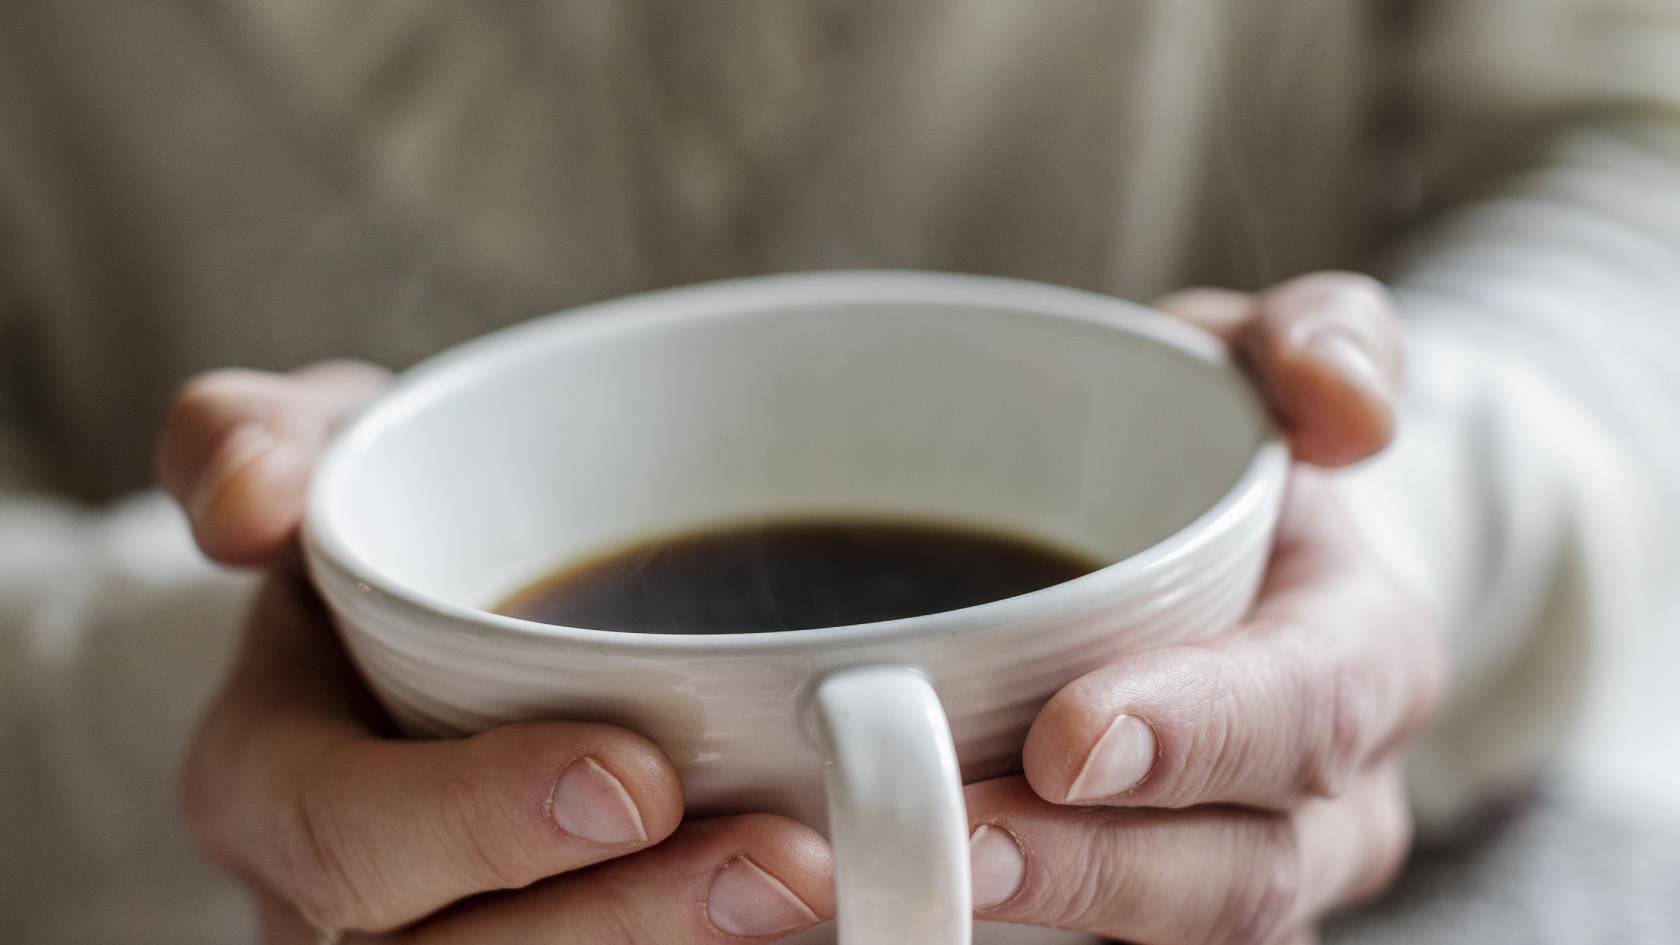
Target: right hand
(294, 784)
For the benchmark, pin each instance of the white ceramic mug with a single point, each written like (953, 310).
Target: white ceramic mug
(1069, 417)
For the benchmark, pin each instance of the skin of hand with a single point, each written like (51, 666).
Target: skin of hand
(1235, 790)
(1226, 791)
(294, 785)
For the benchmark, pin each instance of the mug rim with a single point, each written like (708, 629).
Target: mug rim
(326, 548)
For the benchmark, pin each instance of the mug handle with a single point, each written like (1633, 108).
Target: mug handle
(896, 816)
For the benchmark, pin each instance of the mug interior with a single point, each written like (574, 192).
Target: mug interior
(1071, 418)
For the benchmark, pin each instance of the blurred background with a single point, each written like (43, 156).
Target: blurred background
(266, 183)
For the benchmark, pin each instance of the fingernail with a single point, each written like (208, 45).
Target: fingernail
(1120, 760)
(1349, 359)
(590, 804)
(747, 901)
(997, 863)
(239, 448)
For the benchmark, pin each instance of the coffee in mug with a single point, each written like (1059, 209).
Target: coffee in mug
(796, 574)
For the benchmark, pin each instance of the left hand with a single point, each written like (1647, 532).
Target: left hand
(1233, 790)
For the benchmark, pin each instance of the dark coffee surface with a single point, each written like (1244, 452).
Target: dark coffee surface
(793, 575)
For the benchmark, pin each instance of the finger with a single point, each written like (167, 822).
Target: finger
(1335, 664)
(1358, 844)
(1212, 874)
(237, 449)
(361, 832)
(1326, 348)
(753, 878)
(1221, 311)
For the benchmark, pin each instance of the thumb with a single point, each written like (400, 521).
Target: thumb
(1326, 348)
(237, 449)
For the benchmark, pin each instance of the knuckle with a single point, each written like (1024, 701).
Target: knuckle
(314, 871)
(200, 423)
(1412, 655)
(1390, 840)
(1199, 751)
(474, 816)
(461, 811)
(1339, 711)
(1097, 869)
(206, 396)
(1266, 893)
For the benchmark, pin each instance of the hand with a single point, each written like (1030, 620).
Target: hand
(1236, 789)
(292, 785)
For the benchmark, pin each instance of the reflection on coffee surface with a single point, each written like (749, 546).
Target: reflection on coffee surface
(793, 575)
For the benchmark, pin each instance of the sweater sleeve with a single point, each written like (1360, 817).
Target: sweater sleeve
(113, 630)
(1537, 476)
